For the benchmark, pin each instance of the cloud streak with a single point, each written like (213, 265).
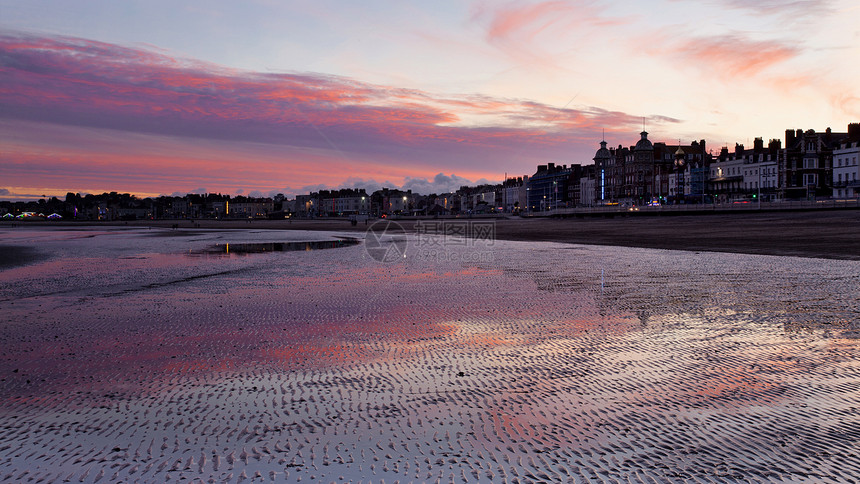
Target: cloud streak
(364, 129)
(794, 8)
(515, 28)
(734, 55)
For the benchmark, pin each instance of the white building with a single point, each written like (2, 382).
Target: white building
(760, 174)
(846, 170)
(746, 173)
(513, 195)
(250, 208)
(352, 205)
(486, 197)
(726, 179)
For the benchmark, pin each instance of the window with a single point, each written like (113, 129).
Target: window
(810, 179)
(810, 163)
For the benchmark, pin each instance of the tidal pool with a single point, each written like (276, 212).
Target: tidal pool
(124, 359)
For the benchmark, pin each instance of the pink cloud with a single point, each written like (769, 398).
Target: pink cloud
(730, 56)
(516, 28)
(522, 22)
(270, 130)
(526, 21)
(734, 55)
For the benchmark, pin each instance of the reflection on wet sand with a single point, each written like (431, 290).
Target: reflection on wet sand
(227, 249)
(594, 364)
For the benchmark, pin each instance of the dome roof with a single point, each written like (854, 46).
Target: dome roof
(680, 152)
(602, 153)
(643, 144)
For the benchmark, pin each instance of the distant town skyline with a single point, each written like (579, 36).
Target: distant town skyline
(256, 99)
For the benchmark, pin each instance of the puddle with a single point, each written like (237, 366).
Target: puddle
(227, 250)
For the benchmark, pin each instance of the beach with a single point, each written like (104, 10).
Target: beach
(249, 353)
(817, 233)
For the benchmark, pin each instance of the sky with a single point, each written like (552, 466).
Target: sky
(263, 97)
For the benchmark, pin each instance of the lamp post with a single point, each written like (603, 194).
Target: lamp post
(758, 186)
(528, 201)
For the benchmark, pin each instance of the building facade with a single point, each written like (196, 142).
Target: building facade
(806, 165)
(547, 189)
(846, 170)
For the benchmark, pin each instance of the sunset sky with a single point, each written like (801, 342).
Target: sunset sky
(262, 97)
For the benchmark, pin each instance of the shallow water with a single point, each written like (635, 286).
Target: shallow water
(127, 356)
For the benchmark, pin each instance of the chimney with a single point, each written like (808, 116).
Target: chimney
(551, 166)
(758, 145)
(789, 138)
(854, 131)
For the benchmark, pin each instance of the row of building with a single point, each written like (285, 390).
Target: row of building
(810, 165)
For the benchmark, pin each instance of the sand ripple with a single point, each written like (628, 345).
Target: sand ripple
(544, 364)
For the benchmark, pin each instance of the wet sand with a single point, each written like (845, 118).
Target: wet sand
(16, 255)
(143, 355)
(830, 234)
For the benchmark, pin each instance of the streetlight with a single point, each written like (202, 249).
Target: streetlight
(758, 185)
(528, 201)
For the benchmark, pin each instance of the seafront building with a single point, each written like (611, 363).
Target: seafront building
(746, 173)
(810, 166)
(548, 187)
(806, 167)
(846, 169)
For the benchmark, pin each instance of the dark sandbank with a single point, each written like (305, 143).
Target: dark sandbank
(830, 234)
